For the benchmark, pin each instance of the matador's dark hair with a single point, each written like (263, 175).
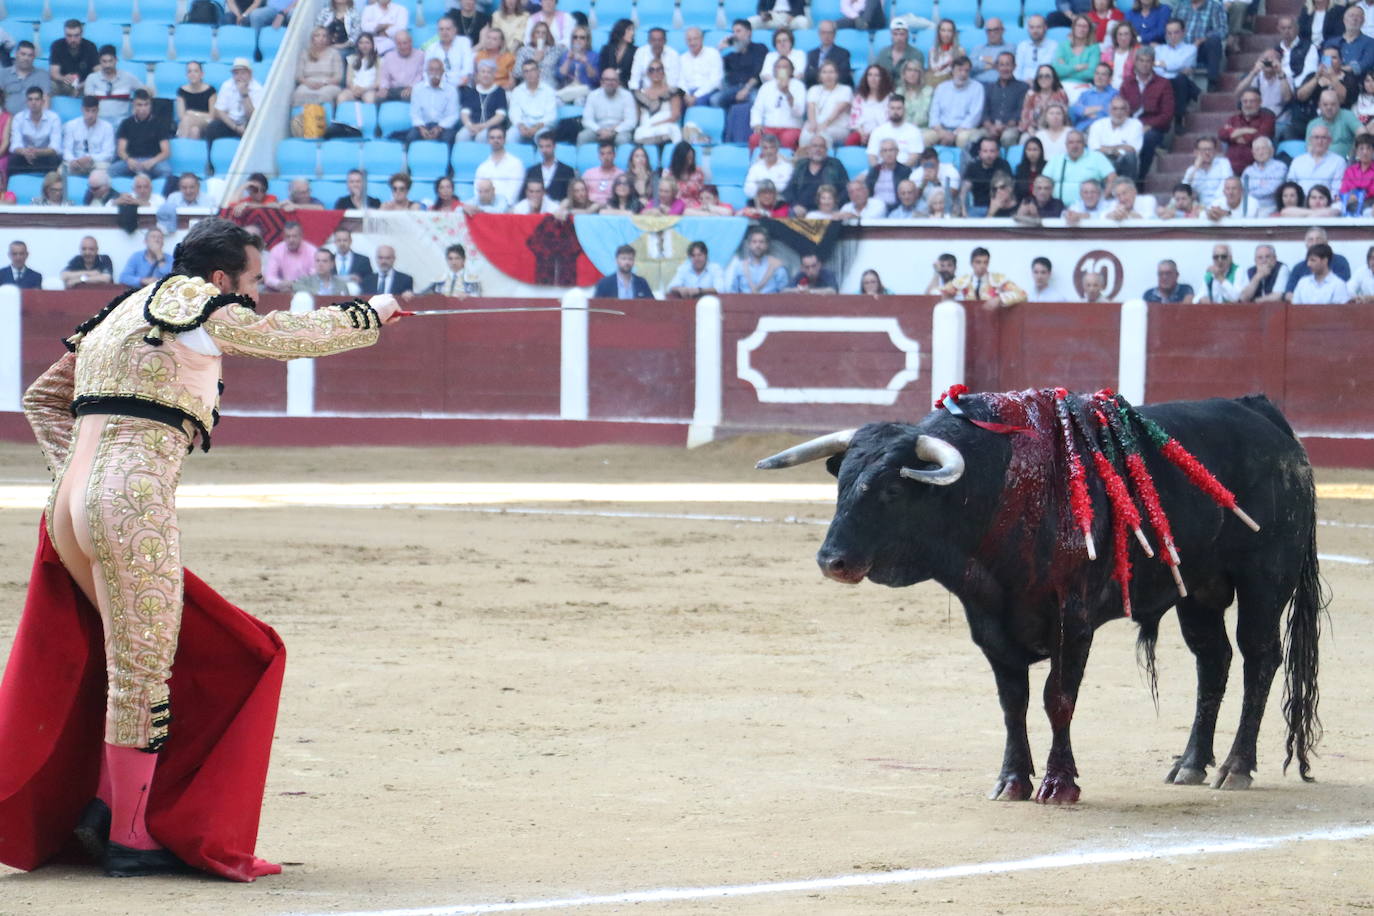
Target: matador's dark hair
(211, 245)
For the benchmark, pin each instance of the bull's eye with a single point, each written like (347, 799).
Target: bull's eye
(892, 491)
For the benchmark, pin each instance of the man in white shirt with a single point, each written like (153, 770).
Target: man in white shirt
(35, 136)
(1233, 202)
(1321, 286)
(112, 86)
(906, 135)
(1208, 171)
(657, 49)
(1119, 137)
(503, 170)
(1296, 66)
(384, 19)
(88, 142)
(1035, 50)
(455, 51)
(1130, 205)
(1175, 61)
(609, 112)
(1267, 279)
(769, 165)
(700, 70)
(488, 201)
(1223, 282)
(433, 106)
(1043, 287)
(1091, 203)
(1318, 165)
(535, 201)
(1361, 285)
(956, 108)
(560, 23)
(861, 205)
(1094, 287)
(697, 276)
(235, 102)
(533, 108)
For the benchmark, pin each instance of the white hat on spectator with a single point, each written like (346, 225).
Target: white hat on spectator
(242, 63)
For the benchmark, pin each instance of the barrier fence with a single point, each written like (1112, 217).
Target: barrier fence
(684, 372)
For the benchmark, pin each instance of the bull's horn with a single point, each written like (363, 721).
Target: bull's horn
(820, 447)
(936, 451)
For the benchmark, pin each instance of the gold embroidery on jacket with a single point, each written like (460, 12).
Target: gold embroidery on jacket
(286, 335)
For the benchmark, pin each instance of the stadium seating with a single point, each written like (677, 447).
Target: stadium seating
(63, 10)
(857, 44)
(426, 159)
(1009, 11)
(216, 74)
(383, 157)
(222, 153)
(269, 40)
(806, 39)
(149, 42)
(27, 10)
(700, 13)
(338, 158)
(709, 119)
(467, 156)
(66, 107)
(652, 15)
(853, 158)
(393, 117)
(732, 195)
(359, 115)
(193, 41)
(50, 31)
(76, 189)
(606, 12)
(743, 9)
(830, 9)
(157, 10)
(115, 11)
(729, 164)
(106, 32)
(232, 42)
(297, 157)
(189, 155)
(26, 187)
(169, 75)
(326, 192)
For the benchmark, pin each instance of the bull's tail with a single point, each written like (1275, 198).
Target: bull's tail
(1145, 655)
(1300, 663)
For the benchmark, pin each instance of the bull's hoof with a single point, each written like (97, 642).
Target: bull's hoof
(1233, 780)
(1058, 790)
(1186, 776)
(1011, 788)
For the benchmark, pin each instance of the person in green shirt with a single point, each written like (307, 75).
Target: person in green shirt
(1342, 123)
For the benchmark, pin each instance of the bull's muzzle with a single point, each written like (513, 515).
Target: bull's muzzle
(841, 568)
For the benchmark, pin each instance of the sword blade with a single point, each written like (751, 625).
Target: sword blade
(498, 311)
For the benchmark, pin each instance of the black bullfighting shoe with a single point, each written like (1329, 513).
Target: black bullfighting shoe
(124, 862)
(93, 829)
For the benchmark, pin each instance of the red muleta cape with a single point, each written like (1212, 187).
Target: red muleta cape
(207, 792)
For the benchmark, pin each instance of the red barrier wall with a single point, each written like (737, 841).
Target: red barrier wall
(1071, 345)
(642, 365)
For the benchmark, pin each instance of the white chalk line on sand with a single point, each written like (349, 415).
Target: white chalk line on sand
(1211, 846)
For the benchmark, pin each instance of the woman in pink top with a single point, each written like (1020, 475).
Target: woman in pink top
(688, 178)
(1359, 174)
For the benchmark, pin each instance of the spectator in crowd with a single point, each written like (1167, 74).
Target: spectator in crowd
(71, 59)
(1265, 281)
(35, 137)
(492, 50)
(113, 87)
(979, 174)
(766, 202)
(911, 203)
(300, 197)
(578, 70)
(194, 102)
(87, 142)
(1318, 21)
(1167, 289)
(709, 204)
(402, 68)
(1182, 204)
(883, 177)
(813, 277)
(235, 102)
(1360, 286)
(993, 290)
(1356, 48)
(1119, 55)
(53, 191)
(1205, 27)
(363, 76)
(1364, 103)
(1075, 58)
(1269, 79)
(387, 279)
(1263, 176)
(624, 283)
(489, 201)
(1208, 170)
(1244, 127)
(149, 265)
(1053, 130)
(253, 194)
(1340, 123)
(1046, 91)
(1222, 282)
(1320, 285)
(1043, 286)
(700, 70)
(481, 106)
(828, 104)
(552, 175)
(533, 199)
(454, 50)
(666, 200)
(610, 113)
(541, 51)
(511, 19)
(779, 107)
(869, 108)
(455, 283)
(756, 271)
(141, 143)
(1152, 101)
(601, 177)
(895, 55)
(386, 21)
(187, 195)
(861, 205)
(288, 260)
(1077, 164)
(1003, 95)
(1002, 202)
(1119, 137)
(275, 13)
(1293, 202)
(985, 57)
(18, 273)
(1359, 174)
(827, 204)
(1091, 203)
(1319, 165)
(780, 15)
(1035, 51)
(1031, 166)
(1148, 18)
(533, 106)
(433, 107)
(871, 284)
(1315, 236)
(817, 169)
(861, 14)
(945, 268)
(897, 130)
(697, 276)
(470, 21)
(623, 200)
(319, 71)
(351, 265)
(917, 94)
(656, 50)
(826, 52)
(1102, 14)
(1329, 76)
(90, 267)
(1042, 204)
(342, 22)
(619, 51)
(742, 59)
(559, 23)
(141, 194)
(17, 80)
(323, 279)
(1176, 60)
(505, 171)
(932, 173)
(400, 184)
(682, 165)
(1094, 287)
(943, 54)
(1292, 52)
(1233, 203)
(956, 109)
(357, 197)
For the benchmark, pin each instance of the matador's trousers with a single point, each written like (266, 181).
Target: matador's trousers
(119, 490)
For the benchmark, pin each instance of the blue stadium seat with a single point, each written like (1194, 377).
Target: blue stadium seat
(193, 41)
(48, 32)
(1014, 155)
(118, 11)
(729, 164)
(586, 157)
(421, 35)
(1009, 11)
(963, 14)
(222, 153)
(359, 115)
(427, 159)
(732, 195)
(1014, 35)
(527, 153)
(393, 117)
(66, 107)
(106, 32)
(297, 157)
(76, 189)
(830, 9)
(569, 111)
(466, 157)
(714, 37)
(853, 158)
(950, 154)
(231, 42)
(566, 153)
(326, 192)
(27, 10)
(62, 10)
(464, 191)
(189, 155)
(280, 188)
(25, 187)
(168, 76)
(157, 10)
(608, 11)
(857, 44)
(269, 40)
(700, 13)
(654, 14)
(709, 118)
(18, 29)
(148, 42)
(383, 157)
(599, 38)
(741, 9)
(806, 39)
(338, 158)
(122, 185)
(379, 189)
(622, 155)
(1292, 148)
(216, 74)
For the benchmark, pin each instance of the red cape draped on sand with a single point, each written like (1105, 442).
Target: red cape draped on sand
(207, 791)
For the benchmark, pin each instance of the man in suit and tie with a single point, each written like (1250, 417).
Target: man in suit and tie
(553, 174)
(17, 274)
(828, 51)
(323, 281)
(387, 279)
(624, 283)
(456, 283)
(352, 266)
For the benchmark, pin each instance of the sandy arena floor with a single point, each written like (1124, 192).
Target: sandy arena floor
(488, 709)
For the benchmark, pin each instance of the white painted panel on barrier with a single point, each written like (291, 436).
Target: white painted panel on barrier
(707, 411)
(574, 391)
(1133, 354)
(300, 373)
(948, 346)
(885, 396)
(11, 349)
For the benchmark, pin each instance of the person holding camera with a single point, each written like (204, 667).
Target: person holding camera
(1269, 78)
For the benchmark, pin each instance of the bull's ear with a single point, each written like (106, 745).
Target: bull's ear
(832, 464)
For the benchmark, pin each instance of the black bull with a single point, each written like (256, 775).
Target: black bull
(947, 500)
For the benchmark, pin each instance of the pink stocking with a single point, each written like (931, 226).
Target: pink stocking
(130, 772)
